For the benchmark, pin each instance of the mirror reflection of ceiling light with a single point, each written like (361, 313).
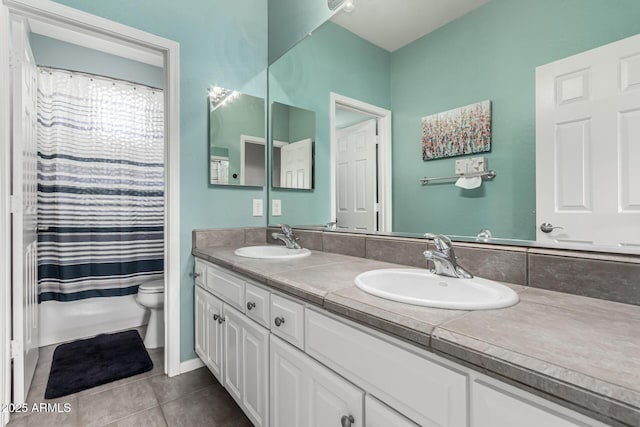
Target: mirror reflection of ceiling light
(341, 5)
(219, 96)
(349, 6)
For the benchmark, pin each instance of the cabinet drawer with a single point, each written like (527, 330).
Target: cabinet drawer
(426, 391)
(258, 304)
(200, 272)
(287, 320)
(229, 287)
(380, 415)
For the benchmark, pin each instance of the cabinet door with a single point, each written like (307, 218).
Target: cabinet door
(286, 385)
(201, 327)
(333, 401)
(214, 331)
(232, 353)
(306, 393)
(377, 414)
(255, 372)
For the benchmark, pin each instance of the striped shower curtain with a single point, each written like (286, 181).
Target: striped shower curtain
(100, 185)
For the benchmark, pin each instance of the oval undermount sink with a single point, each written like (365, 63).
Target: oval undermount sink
(422, 287)
(271, 252)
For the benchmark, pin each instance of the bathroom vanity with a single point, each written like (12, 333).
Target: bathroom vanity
(296, 343)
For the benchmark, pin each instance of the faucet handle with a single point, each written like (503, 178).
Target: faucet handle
(443, 243)
(286, 229)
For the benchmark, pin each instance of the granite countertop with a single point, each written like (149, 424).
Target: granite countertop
(581, 352)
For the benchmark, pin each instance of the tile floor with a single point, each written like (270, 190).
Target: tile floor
(150, 399)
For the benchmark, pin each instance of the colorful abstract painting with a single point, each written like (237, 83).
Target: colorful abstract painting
(464, 130)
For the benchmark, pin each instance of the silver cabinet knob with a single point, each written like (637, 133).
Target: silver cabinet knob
(221, 319)
(548, 228)
(215, 317)
(279, 321)
(347, 420)
(196, 275)
(251, 305)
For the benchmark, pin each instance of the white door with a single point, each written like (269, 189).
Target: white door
(24, 210)
(295, 164)
(215, 333)
(200, 324)
(377, 414)
(356, 177)
(332, 400)
(588, 146)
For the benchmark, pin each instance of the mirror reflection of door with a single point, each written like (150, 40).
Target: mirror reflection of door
(293, 136)
(356, 173)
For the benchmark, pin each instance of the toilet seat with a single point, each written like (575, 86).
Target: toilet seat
(152, 287)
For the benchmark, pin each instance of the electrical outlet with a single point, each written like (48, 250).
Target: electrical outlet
(276, 207)
(258, 207)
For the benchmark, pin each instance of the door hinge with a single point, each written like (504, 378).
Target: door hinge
(16, 349)
(376, 207)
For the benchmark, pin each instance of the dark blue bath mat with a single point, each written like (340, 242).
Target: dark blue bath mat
(83, 364)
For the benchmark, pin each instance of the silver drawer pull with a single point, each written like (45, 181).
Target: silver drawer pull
(347, 420)
(251, 305)
(279, 321)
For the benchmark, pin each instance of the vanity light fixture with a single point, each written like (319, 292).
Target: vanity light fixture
(219, 96)
(341, 5)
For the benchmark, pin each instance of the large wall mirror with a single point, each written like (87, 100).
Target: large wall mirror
(236, 138)
(356, 69)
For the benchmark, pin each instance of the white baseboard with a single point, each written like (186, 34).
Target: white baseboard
(190, 365)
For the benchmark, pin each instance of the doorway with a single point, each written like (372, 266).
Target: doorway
(109, 37)
(360, 156)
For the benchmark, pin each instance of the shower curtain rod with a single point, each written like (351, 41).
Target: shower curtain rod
(99, 76)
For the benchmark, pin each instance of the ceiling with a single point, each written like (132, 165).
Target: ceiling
(392, 24)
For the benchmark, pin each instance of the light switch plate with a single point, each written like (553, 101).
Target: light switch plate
(276, 207)
(258, 207)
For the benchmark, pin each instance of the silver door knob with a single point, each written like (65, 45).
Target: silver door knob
(251, 305)
(279, 321)
(347, 420)
(548, 228)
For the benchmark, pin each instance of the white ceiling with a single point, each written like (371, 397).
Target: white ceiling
(392, 24)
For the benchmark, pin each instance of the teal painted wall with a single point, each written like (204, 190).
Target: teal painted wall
(490, 53)
(331, 60)
(291, 20)
(244, 115)
(58, 54)
(222, 43)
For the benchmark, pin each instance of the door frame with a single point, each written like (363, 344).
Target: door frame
(383, 117)
(5, 219)
(90, 25)
(247, 139)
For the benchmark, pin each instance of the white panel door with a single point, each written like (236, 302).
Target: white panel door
(24, 210)
(200, 324)
(215, 337)
(295, 164)
(588, 146)
(332, 400)
(377, 414)
(356, 175)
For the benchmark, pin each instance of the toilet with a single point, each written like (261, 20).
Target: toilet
(151, 296)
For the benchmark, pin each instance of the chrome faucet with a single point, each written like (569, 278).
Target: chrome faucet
(444, 258)
(288, 237)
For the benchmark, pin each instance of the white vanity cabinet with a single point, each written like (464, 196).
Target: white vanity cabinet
(288, 364)
(209, 331)
(234, 347)
(306, 393)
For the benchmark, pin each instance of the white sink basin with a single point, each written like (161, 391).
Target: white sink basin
(421, 287)
(271, 252)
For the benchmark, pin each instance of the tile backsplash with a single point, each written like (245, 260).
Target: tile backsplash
(606, 276)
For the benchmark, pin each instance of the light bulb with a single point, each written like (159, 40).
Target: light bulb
(349, 6)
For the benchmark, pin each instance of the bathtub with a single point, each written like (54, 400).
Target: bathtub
(66, 321)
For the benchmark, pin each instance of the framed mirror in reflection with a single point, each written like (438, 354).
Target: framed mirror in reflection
(293, 133)
(439, 58)
(236, 138)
